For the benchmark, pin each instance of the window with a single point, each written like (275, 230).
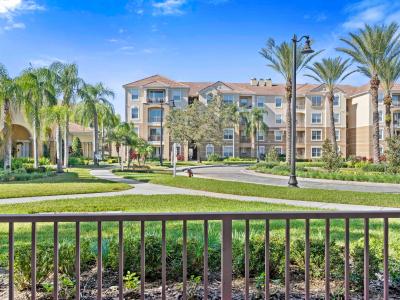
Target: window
(260, 101)
(177, 95)
(315, 152)
(228, 134)
(262, 150)
(134, 94)
(279, 150)
(135, 113)
(381, 150)
(278, 119)
(178, 149)
(336, 101)
(396, 100)
(316, 118)
(156, 96)
(316, 100)
(336, 118)
(155, 115)
(381, 134)
(278, 136)
(337, 133)
(380, 116)
(278, 102)
(316, 135)
(209, 150)
(155, 134)
(228, 99)
(227, 151)
(380, 97)
(243, 102)
(210, 97)
(260, 136)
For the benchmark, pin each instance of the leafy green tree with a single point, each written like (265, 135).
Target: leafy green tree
(87, 111)
(55, 116)
(38, 90)
(280, 59)
(254, 124)
(10, 98)
(389, 73)
(68, 83)
(273, 155)
(76, 147)
(393, 154)
(330, 72)
(370, 47)
(330, 156)
(144, 150)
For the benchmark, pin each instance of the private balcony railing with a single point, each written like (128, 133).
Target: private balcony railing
(226, 220)
(155, 100)
(300, 106)
(154, 138)
(245, 139)
(156, 119)
(300, 140)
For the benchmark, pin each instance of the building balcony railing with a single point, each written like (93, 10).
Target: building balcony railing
(156, 100)
(245, 139)
(300, 106)
(155, 119)
(154, 138)
(300, 140)
(206, 223)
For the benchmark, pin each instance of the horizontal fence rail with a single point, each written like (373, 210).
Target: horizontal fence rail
(226, 220)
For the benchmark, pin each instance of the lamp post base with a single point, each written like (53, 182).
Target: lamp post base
(293, 181)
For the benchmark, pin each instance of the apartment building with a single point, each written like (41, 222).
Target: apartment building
(145, 98)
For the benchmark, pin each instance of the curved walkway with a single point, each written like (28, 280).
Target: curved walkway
(240, 173)
(141, 188)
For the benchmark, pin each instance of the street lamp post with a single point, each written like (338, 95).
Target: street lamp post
(306, 50)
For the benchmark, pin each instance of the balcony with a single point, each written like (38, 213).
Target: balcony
(300, 139)
(300, 106)
(245, 139)
(156, 100)
(154, 138)
(156, 119)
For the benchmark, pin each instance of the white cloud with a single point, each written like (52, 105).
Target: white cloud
(12, 26)
(10, 9)
(371, 12)
(169, 7)
(126, 48)
(44, 61)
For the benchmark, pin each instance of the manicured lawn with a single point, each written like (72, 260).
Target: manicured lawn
(248, 189)
(75, 181)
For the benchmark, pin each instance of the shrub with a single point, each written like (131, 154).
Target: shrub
(214, 157)
(331, 159)
(393, 154)
(76, 161)
(76, 147)
(44, 161)
(374, 168)
(272, 155)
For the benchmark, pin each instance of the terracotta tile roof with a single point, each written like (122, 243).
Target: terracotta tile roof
(75, 128)
(156, 79)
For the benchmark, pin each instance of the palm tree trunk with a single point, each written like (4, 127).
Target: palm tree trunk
(288, 96)
(35, 144)
(330, 98)
(7, 135)
(59, 149)
(95, 138)
(374, 86)
(388, 115)
(102, 141)
(258, 141)
(66, 147)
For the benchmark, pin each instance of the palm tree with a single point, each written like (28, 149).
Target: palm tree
(144, 150)
(280, 59)
(107, 120)
(55, 116)
(87, 110)
(254, 124)
(38, 90)
(330, 72)
(369, 47)
(9, 99)
(68, 84)
(389, 73)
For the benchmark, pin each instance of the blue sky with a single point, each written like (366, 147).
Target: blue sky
(118, 41)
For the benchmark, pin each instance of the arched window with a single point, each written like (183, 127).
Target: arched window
(209, 150)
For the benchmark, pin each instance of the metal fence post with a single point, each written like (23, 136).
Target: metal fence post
(226, 268)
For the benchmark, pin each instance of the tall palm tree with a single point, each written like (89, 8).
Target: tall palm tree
(330, 72)
(280, 59)
(68, 84)
(87, 110)
(389, 73)
(9, 98)
(254, 125)
(54, 116)
(38, 90)
(107, 120)
(369, 47)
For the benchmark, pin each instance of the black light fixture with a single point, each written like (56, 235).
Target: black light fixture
(306, 50)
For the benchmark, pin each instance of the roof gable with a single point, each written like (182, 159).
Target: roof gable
(156, 80)
(219, 85)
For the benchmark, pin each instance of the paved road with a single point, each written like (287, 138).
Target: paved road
(140, 188)
(239, 173)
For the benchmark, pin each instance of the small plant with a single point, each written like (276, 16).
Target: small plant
(131, 280)
(214, 157)
(193, 284)
(47, 287)
(330, 157)
(273, 155)
(393, 154)
(76, 147)
(67, 287)
(260, 285)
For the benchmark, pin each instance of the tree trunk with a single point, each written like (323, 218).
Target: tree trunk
(35, 145)
(7, 135)
(95, 138)
(59, 148)
(388, 115)
(102, 142)
(258, 141)
(66, 147)
(288, 95)
(198, 154)
(374, 86)
(330, 98)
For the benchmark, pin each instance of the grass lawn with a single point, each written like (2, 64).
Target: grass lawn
(75, 181)
(248, 189)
